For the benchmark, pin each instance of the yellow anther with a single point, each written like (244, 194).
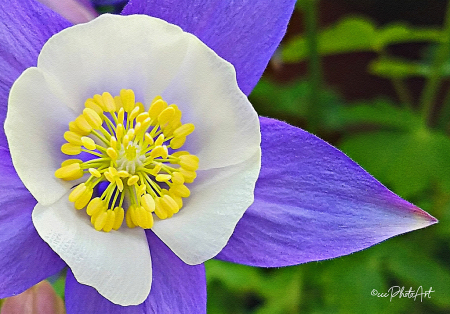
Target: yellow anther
(95, 206)
(95, 172)
(159, 140)
(126, 140)
(88, 143)
(134, 113)
(123, 174)
(128, 219)
(142, 116)
(169, 204)
(109, 177)
(176, 198)
(90, 103)
(177, 142)
(180, 153)
(77, 192)
(148, 202)
(156, 108)
(128, 99)
(148, 139)
(163, 177)
(112, 153)
(74, 128)
(177, 178)
(133, 180)
(67, 171)
(145, 217)
(82, 124)
(180, 190)
(118, 102)
(121, 116)
(189, 176)
(70, 161)
(119, 184)
(137, 128)
(156, 169)
(113, 171)
(146, 123)
(113, 142)
(70, 149)
(84, 199)
(120, 130)
(100, 221)
(134, 214)
(189, 162)
(166, 115)
(118, 217)
(159, 210)
(140, 106)
(131, 133)
(110, 219)
(92, 118)
(159, 151)
(73, 138)
(184, 130)
(98, 99)
(108, 102)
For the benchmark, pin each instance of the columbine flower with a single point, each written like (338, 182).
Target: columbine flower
(152, 217)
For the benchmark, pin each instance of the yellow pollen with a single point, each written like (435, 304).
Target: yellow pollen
(134, 152)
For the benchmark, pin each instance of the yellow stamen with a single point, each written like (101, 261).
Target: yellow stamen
(130, 152)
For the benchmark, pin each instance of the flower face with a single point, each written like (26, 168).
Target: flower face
(115, 55)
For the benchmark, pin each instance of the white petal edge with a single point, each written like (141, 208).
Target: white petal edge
(153, 57)
(117, 264)
(219, 198)
(34, 126)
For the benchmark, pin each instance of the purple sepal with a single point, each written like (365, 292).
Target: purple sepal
(25, 258)
(312, 203)
(245, 32)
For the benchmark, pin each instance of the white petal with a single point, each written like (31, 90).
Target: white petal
(111, 53)
(219, 198)
(226, 125)
(153, 57)
(116, 263)
(35, 124)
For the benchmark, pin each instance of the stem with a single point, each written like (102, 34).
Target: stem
(315, 69)
(403, 93)
(429, 93)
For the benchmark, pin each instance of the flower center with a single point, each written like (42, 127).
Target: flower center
(135, 153)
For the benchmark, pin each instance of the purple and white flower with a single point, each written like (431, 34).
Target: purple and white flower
(268, 194)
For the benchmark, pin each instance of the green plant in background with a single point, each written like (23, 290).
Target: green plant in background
(406, 145)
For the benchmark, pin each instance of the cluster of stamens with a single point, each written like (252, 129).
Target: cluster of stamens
(133, 150)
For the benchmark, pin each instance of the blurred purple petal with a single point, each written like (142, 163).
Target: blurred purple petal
(244, 32)
(25, 258)
(313, 203)
(25, 25)
(176, 288)
(75, 11)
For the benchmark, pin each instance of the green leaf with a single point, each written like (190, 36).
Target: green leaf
(348, 35)
(406, 162)
(353, 34)
(398, 68)
(418, 269)
(397, 33)
(348, 283)
(378, 112)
